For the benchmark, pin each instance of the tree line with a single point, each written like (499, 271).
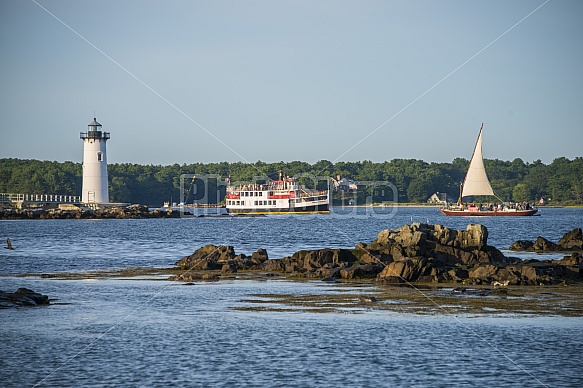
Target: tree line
(560, 182)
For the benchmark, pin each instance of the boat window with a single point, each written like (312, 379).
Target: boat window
(255, 203)
(261, 194)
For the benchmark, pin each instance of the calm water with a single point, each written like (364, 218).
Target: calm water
(159, 333)
(80, 245)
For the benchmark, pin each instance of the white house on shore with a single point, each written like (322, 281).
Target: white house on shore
(440, 198)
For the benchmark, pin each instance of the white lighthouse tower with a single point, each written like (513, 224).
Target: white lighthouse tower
(95, 189)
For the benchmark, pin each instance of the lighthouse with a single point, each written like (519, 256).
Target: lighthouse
(95, 189)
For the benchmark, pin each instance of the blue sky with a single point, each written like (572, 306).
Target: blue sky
(209, 81)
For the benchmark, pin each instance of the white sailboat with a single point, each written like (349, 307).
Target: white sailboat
(477, 183)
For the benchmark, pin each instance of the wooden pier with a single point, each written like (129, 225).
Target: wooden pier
(19, 199)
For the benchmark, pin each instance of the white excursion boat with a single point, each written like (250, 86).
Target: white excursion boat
(282, 196)
(477, 183)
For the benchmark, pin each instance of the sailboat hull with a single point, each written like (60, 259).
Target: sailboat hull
(489, 213)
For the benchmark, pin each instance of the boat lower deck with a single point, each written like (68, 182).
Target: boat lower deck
(488, 213)
(311, 209)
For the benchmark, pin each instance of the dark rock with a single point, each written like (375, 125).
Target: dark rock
(574, 259)
(572, 240)
(543, 245)
(22, 297)
(259, 256)
(408, 270)
(277, 265)
(484, 272)
(474, 237)
(391, 280)
(412, 253)
(427, 279)
(365, 271)
(209, 257)
(522, 245)
(365, 255)
(314, 259)
(229, 267)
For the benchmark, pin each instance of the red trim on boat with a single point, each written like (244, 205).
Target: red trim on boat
(474, 212)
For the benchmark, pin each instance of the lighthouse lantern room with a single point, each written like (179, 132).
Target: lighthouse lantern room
(95, 189)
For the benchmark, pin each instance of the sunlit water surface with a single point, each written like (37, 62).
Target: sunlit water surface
(159, 333)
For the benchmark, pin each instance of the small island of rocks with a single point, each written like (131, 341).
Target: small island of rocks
(416, 253)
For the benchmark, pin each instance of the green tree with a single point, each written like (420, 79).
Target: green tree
(520, 193)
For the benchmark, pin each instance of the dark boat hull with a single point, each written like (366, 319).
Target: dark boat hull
(322, 208)
(488, 213)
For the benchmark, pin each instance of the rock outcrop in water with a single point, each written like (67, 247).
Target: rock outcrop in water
(417, 252)
(223, 258)
(571, 241)
(22, 297)
(412, 253)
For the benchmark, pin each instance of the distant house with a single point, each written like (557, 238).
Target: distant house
(343, 184)
(440, 198)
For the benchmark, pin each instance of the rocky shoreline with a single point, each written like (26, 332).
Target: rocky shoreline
(417, 253)
(74, 212)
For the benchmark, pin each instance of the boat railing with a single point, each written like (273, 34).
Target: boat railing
(507, 207)
(317, 193)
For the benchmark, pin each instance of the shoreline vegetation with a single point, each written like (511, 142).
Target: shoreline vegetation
(417, 269)
(407, 180)
(143, 212)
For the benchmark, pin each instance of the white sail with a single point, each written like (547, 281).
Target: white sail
(476, 182)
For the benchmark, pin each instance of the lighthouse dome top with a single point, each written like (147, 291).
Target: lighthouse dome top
(94, 123)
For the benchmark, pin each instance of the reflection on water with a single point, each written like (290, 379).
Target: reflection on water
(159, 333)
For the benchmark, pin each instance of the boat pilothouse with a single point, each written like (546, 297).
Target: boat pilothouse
(276, 197)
